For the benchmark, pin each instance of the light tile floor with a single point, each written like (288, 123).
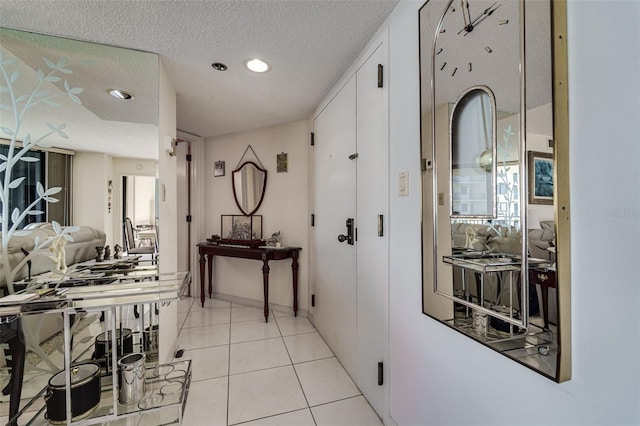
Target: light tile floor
(245, 371)
(249, 372)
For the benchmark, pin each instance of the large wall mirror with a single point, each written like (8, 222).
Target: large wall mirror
(60, 89)
(495, 176)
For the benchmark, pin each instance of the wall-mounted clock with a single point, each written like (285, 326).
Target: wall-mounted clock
(462, 38)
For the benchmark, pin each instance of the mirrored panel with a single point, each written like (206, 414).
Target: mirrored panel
(56, 109)
(249, 183)
(490, 233)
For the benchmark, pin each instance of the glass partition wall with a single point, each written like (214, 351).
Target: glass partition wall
(55, 95)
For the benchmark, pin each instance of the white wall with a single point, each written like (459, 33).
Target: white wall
(167, 214)
(126, 167)
(440, 377)
(144, 192)
(283, 209)
(91, 174)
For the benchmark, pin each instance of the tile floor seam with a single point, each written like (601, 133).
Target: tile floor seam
(207, 378)
(304, 394)
(259, 369)
(316, 359)
(349, 375)
(299, 334)
(205, 325)
(320, 359)
(275, 415)
(298, 377)
(338, 400)
(249, 320)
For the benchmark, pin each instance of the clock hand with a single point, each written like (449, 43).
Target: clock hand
(466, 15)
(484, 15)
(468, 12)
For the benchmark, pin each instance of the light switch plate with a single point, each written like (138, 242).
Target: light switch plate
(403, 184)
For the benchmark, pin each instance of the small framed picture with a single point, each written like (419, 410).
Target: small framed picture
(282, 163)
(540, 178)
(218, 168)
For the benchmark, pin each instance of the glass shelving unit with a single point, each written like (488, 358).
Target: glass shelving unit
(167, 385)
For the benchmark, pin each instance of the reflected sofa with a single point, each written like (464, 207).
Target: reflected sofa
(81, 249)
(496, 240)
(541, 239)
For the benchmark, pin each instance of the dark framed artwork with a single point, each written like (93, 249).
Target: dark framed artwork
(218, 168)
(540, 177)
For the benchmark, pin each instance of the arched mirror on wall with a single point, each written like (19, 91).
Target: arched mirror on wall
(495, 176)
(249, 184)
(249, 181)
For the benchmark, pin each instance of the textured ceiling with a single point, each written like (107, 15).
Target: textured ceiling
(309, 44)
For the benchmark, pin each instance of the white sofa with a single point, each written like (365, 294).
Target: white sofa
(81, 249)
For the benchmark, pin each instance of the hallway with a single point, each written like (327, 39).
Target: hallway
(249, 372)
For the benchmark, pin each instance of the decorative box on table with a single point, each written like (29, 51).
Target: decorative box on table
(241, 230)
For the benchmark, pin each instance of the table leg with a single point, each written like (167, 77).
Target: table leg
(265, 282)
(17, 348)
(202, 262)
(294, 271)
(210, 266)
(545, 304)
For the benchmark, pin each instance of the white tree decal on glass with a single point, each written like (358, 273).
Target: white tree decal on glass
(18, 105)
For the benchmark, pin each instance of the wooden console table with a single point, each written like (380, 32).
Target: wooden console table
(263, 253)
(546, 279)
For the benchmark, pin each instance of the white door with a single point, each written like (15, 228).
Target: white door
(350, 181)
(372, 245)
(334, 269)
(185, 247)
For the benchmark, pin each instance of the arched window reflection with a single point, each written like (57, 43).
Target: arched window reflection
(473, 154)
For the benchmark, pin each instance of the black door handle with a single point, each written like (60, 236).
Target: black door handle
(349, 237)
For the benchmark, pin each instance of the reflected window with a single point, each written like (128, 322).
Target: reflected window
(473, 154)
(51, 168)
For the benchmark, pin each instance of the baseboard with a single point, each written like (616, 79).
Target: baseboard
(260, 304)
(390, 422)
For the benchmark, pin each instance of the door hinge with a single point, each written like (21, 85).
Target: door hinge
(313, 139)
(189, 218)
(188, 157)
(380, 225)
(356, 236)
(313, 219)
(380, 376)
(313, 300)
(380, 74)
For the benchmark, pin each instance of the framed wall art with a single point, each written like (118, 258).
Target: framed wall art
(540, 177)
(218, 168)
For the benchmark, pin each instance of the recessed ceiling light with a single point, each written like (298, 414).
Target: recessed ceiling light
(219, 66)
(257, 65)
(120, 94)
